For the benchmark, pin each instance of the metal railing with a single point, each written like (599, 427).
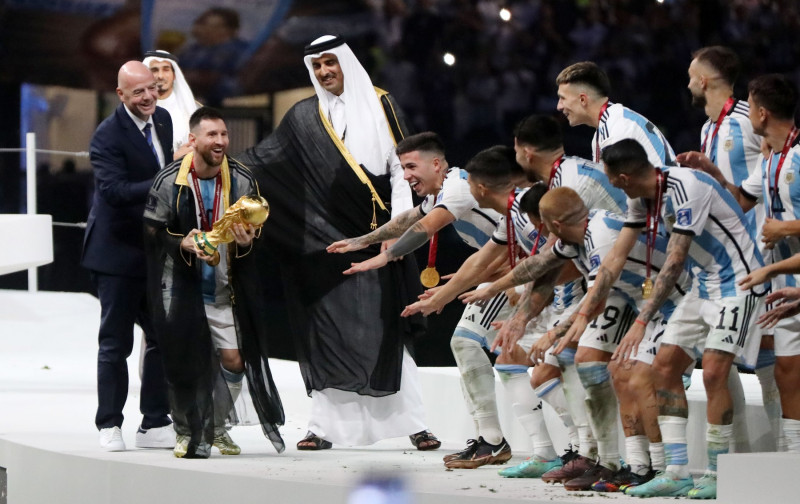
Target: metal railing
(30, 151)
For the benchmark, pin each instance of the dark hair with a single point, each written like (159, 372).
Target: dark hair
(626, 156)
(588, 73)
(540, 131)
(494, 166)
(427, 141)
(775, 93)
(722, 59)
(529, 203)
(204, 113)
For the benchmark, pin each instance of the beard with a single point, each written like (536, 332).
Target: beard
(208, 157)
(699, 101)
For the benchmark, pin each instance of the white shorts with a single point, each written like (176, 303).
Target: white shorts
(727, 324)
(606, 331)
(787, 331)
(548, 319)
(649, 346)
(477, 318)
(223, 329)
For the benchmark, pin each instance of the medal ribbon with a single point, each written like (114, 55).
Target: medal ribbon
(786, 146)
(727, 108)
(653, 213)
(510, 233)
(432, 250)
(597, 143)
(204, 224)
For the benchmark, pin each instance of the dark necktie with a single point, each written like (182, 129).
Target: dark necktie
(149, 137)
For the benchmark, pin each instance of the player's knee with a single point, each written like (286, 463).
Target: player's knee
(593, 374)
(232, 361)
(715, 377)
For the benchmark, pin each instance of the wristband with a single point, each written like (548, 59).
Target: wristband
(640, 322)
(582, 314)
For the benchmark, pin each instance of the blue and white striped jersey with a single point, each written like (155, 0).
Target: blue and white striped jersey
(589, 180)
(723, 251)
(619, 122)
(601, 234)
(735, 150)
(473, 224)
(524, 230)
(782, 203)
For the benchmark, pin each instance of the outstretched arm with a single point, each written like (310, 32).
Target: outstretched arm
(468, 275)
(528, 270)
(392, 229)
(414, 237)
(700, 161)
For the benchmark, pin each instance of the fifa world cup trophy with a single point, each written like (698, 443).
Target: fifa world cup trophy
(252, 209)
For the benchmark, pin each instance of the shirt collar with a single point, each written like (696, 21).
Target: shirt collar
(138, 122)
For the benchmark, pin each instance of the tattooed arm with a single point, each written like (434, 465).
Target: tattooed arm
(595, 299)
(677, 250)
(414, 237)
(528, 270)
(392, 229)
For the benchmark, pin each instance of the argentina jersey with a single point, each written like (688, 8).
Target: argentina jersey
(601, 233)
(619, 122)
(589, 180)
(722, 251)
(473, 224)
(735, 150)
(524, 230)
(781, 203)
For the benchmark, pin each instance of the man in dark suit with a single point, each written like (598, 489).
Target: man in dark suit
(127, 150)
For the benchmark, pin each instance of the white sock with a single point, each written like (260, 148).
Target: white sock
(552, 392)
(528, 410)
(576, 403)
(636, 454)
(772, 401)
(601, 404)
(718, 438)
(740, 439)
(658, 457)
(470, 407)
(791, 430)
(673, 432)
(478, 378)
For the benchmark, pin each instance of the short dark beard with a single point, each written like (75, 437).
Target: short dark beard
(209, 160)
(699, 101)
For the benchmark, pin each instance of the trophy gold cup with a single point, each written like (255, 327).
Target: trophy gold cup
(252, 209)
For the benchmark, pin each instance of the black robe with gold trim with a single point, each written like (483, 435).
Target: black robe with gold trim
(348, 330)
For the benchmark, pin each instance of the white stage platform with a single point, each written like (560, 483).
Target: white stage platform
(49, 445)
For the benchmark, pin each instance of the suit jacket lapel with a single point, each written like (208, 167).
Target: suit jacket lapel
(164, 132)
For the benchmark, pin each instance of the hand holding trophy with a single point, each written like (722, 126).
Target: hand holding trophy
(252, 209)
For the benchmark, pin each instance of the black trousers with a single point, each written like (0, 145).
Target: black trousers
(123, 302)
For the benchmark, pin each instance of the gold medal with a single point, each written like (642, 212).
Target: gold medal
(429, 277)
(647, 288)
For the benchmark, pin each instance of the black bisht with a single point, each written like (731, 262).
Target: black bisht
(199, 396)
(348, 331)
